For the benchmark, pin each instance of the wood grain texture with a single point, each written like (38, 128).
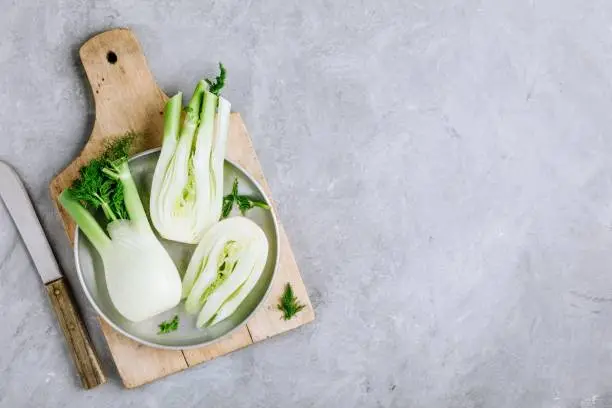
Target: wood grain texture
(237, 340)
(77, 339)
(127, 99)
(138, 364)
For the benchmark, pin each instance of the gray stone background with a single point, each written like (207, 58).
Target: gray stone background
(443, 169)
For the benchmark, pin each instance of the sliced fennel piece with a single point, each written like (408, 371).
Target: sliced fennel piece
(141, 278)
(187, 188)
(224, 268)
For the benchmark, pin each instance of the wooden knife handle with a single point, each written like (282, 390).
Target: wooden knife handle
(79, 343)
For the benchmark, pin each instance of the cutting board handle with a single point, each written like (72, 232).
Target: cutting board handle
(125, 93)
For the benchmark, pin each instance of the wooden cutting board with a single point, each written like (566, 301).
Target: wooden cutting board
(127, 99)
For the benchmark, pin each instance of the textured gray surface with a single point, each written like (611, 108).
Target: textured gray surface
(443, 168)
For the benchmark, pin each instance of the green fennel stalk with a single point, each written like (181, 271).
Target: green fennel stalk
(105, 183)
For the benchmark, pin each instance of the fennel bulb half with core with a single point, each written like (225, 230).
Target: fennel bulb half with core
(187, 188)
(141, 278)
(224, 268)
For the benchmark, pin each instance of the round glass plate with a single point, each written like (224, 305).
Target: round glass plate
(91, 270)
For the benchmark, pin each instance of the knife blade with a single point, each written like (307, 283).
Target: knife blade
(19, 206)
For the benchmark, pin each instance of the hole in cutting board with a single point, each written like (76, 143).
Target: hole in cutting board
(111, 57)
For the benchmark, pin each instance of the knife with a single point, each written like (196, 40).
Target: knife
(20, 208)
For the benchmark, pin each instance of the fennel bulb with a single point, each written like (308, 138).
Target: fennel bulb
(141, 278)
(187, 189)
(224, 269)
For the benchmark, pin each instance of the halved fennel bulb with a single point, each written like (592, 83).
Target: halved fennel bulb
(187, 188)
(224, 269)
(141, 278)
